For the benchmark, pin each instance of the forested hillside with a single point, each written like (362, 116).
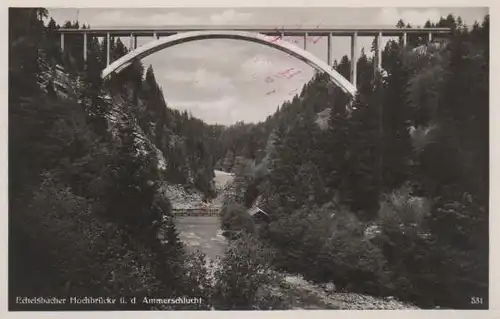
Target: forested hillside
(87, 165)
(182, 139)
(389, 195)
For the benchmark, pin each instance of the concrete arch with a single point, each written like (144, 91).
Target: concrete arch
(183, 37)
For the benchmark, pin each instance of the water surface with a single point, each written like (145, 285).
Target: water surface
(201, 233)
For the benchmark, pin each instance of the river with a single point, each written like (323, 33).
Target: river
(204, 233)
(201, 233)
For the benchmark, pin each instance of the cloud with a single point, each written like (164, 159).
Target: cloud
(178, 76)
(202, 79)
(415, 17)
(210, 50)
(256, 66)
(129, 17)
(229, 16)
(212, 81)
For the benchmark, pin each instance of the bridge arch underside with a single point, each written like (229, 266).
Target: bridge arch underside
(184, 37)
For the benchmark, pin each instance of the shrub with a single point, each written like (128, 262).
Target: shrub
(434, 254)
(194, 281)
(76, 253)
(327, 244)
(244, 279)
(235, 219)
(352, 263)
(401, 208)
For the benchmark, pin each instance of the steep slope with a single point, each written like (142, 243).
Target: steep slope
(364, 196)
(56, 80)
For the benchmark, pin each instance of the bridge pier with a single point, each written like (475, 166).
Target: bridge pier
(379, 51)
(305, 41)
(378, 54)
(107, 48)
(85, 47)
(354, 58)
(430, 37)
(405, 39)
(131, 42)
(62, 42)
(329, 50)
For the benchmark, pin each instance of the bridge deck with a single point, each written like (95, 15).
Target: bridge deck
(267, 30)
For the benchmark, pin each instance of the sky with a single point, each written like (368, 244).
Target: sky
(226, 81)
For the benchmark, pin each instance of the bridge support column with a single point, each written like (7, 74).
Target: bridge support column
(379, 51)
(430, 37)
(85, 47)
(155, 36)
(305, 41)
(329, 50)
(62, 41)
(354, 58)
(135, 42)
(107, 48)
(405, 39)
(377, 66)
(131, 42)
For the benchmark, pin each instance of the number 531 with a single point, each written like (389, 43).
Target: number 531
(476, 300)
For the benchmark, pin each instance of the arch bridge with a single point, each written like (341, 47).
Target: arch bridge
(163, 37)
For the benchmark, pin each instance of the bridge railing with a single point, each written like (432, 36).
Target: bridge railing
(324, 30)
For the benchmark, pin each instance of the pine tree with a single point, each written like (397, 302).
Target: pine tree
(396, 139)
